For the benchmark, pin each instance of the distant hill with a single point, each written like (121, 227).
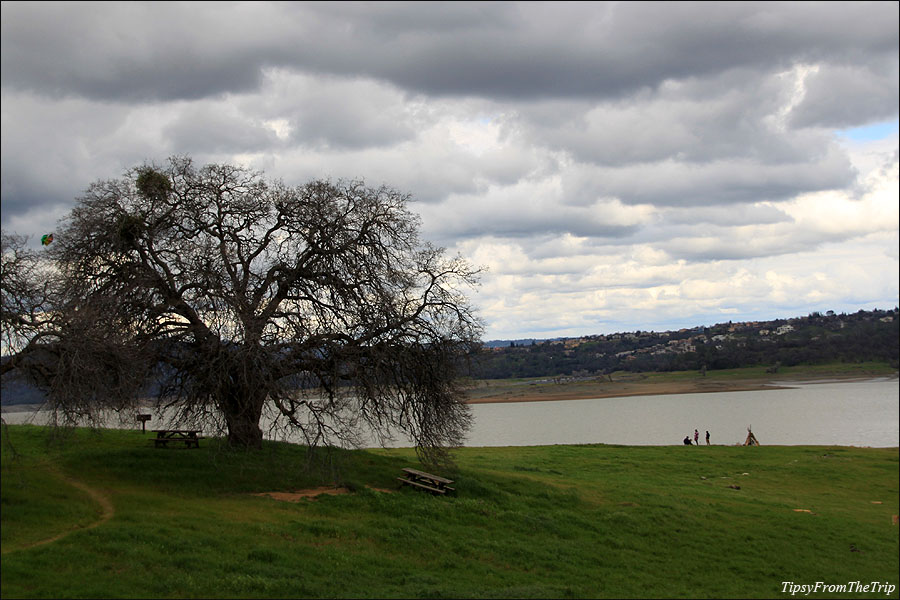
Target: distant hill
(508, 343)
(814, 339)
(810, 340)
(15, 390)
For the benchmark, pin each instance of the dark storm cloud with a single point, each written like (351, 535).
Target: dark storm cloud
(124, 51)
(725, 183)
(191, 50)
(46, 159)
(848, 95)
(735, 114)
(199, 130)
(714, 244)
(599, 50)
(713, 183)
(604, 160)
(725, 216)
(23, 194)
(335, 113)
(681, 86)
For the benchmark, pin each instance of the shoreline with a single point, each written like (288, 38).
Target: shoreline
(544, 390)
(499, 392)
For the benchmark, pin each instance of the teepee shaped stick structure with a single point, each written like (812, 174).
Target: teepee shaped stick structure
(751, 439)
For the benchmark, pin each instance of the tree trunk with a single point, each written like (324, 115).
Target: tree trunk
(242, 409)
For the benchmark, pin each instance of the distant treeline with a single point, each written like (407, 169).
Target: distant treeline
(815, 339)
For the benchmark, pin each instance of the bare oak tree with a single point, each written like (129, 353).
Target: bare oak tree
(56, 342)
(25, 291)
(241, 295)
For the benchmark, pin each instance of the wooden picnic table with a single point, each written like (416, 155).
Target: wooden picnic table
(189, 437)
(426, 481)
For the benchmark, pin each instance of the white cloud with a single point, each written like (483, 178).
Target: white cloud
(616, 166)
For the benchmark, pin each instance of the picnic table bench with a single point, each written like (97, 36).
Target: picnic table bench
(189, 437)
(426, 481)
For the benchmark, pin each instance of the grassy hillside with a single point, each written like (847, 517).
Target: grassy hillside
(107, 515)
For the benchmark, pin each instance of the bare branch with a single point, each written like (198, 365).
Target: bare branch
(318, 302)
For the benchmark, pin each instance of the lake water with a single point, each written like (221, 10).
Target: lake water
(863, 413)
(859, 413)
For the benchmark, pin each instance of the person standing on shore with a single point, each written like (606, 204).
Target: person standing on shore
(707, 437)
(696, 438)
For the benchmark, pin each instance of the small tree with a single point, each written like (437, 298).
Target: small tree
(240, 295)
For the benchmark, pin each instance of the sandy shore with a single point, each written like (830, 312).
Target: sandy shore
(498, 391)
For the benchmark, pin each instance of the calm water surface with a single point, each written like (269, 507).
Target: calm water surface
(860, 413)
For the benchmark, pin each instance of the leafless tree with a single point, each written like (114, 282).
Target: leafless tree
(24, 290)
(56, 342)
(241, 295)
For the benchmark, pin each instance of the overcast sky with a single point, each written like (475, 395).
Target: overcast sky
(614, 166)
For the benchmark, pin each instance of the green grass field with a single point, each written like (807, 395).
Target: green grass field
(100, 515)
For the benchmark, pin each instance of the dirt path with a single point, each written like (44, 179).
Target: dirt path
(106, 506)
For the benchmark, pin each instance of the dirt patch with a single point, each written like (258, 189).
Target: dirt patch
(311, 493)
(299, 495)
